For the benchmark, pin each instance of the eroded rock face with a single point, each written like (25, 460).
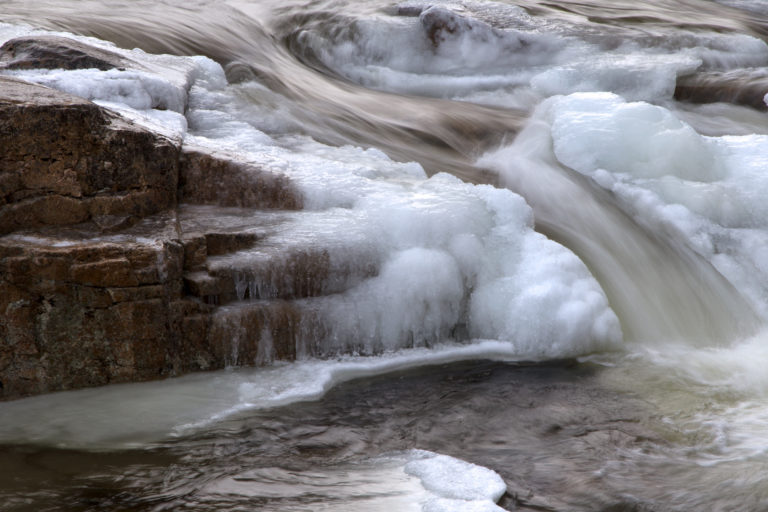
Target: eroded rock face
(109, 240)
(80, 310)
(65, 160)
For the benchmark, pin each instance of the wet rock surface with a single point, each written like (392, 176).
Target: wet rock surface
(219, 179)
(99, 279)
(65, 160)
(740, 87)
(52, 52)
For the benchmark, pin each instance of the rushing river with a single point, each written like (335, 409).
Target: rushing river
(577, 184)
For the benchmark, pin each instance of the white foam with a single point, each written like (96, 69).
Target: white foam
(738, 368)
(713, 396)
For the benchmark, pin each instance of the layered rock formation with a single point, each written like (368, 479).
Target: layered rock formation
(108, 243)
(66, 160)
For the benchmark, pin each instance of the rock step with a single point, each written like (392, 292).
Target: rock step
(218, 178)
(261, 331)
(240, 254)
(246, 333)
(65, 160)
(102, 229)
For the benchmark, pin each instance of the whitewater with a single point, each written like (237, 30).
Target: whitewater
(570, 195)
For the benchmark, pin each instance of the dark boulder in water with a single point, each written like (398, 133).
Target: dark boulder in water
(740, 87)
(442, 24)
(52, 52)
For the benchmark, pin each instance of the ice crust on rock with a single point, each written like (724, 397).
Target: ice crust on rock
(453, 257)
(451, 254)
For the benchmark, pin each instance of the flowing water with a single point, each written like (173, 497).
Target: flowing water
(609, 223)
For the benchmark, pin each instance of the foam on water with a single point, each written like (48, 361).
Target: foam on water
(712, 400)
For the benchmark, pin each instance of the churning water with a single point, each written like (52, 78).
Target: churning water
(559, 181)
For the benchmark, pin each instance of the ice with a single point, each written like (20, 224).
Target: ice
(550, 280)
(448, 50)
(456, 484)
(403, 481)
(454, 261)
(102, 418)
(416, 299)
(602, 131)
(455, 479)
(708, 190)
(443, 53)
(153, 93)
(634, 75)
(453, 256)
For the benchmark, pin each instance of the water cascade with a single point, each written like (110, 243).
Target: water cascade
(455, 256)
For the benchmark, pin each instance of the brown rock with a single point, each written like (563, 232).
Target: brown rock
(99, 283)
(66, 160)
(105, 273)
(740, 87)
(53, 52)
(207, 178)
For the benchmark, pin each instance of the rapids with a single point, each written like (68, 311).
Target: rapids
(608, 222)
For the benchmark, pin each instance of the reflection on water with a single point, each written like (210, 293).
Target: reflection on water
(523, 421)
(557, 435)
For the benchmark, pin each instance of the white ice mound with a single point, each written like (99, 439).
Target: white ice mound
(454, 260)
(602, 131)
(453, 478)
(708, 190)
(550, 306)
